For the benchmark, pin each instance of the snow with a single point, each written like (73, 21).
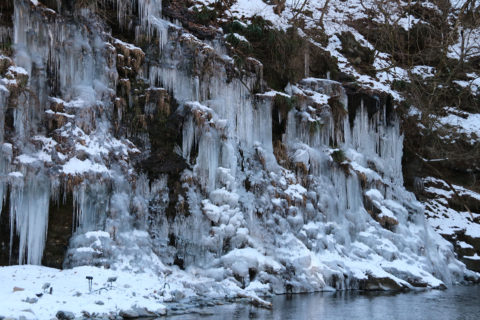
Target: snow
(471, 38)
(24, 158)
(444, 219)
(70, 291)
(97, 234)
(273, 93)
(75, 166)
(39, 156)
(239, 37)
(385, 212)
(464, 245)
(60, 114)
(374, 194)
(251, 258)
(16, 174)
(296, 192)
(17, 70)
(369, 173)
(457, 4)
(474, 257)
(423, 71)
(473, 84)
(129, 46)
(469, 123)
(250, 8)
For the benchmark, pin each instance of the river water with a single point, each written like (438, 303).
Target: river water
(459, 302)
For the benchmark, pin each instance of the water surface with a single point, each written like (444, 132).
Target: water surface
(459, 302)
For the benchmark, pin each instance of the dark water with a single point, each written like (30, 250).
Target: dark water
(461, 302)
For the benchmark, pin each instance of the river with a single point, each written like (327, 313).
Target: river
(458, 302)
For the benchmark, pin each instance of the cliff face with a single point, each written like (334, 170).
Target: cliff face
(129, 142)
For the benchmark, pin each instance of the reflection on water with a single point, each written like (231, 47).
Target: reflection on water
(461, 302)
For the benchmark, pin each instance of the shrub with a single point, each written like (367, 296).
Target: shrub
(281, 52)
(205, 15)
(338, 156)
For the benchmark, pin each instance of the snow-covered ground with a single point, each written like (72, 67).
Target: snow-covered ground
(444, 219)
(37, 292)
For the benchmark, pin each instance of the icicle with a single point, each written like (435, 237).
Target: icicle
(188, 133)
(5, 160)
(207, 160)
(90, 201)
(75, 56)
(5, 34)
(29, 204)
(151, 22)
(4, 93)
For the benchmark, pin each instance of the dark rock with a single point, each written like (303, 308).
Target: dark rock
(60, 224)
(128, 314)
(373, 283)
(135, 312)
(472, 263)
(65, 315)
(360, 56)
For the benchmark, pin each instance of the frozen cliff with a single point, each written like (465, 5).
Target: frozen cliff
(129, 143)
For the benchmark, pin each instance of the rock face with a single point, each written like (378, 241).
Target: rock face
(163, 153)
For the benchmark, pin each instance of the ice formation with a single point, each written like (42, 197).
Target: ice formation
(321, 206)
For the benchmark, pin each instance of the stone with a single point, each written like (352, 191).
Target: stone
(472, 262)
(161, 311)
(379, 283)
(65, 315)
(145, 313)
(5, 63)
(99, 302)
(177, 295)
(128, 314)
(31, 300)
(136, 312)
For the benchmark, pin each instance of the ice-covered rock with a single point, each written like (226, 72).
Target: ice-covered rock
(161, 158)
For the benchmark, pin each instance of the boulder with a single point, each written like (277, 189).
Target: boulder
(65, 315)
